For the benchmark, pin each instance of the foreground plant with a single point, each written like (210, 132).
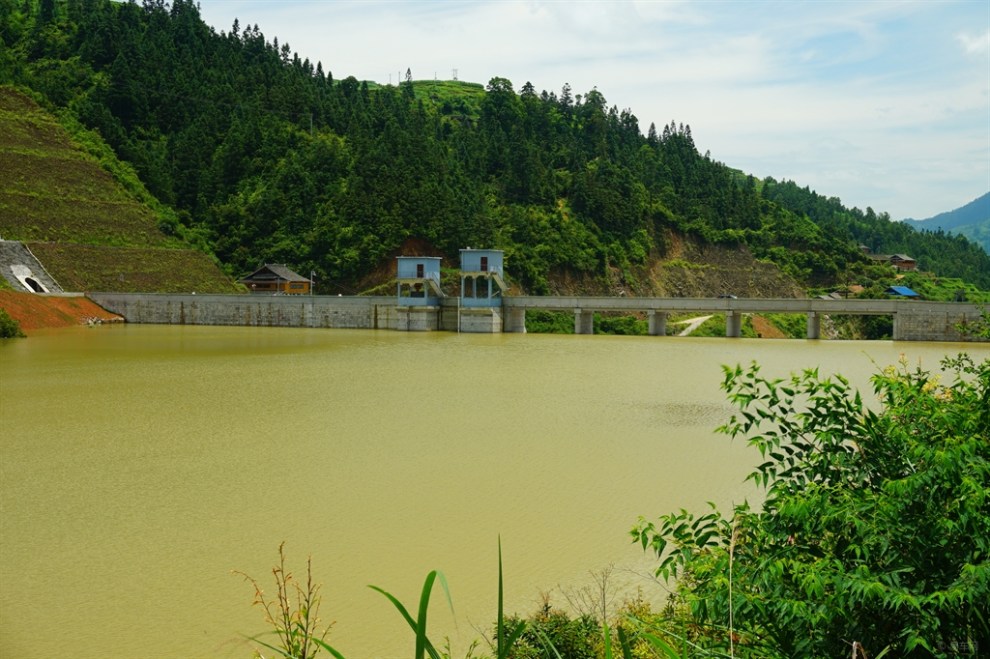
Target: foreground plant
(293, 614)
(875, 531)
(506, 634)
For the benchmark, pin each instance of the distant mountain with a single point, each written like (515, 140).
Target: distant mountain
(971, 220)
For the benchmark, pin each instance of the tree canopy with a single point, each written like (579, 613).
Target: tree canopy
(271, 158)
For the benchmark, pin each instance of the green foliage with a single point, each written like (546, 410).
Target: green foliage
(867, 328)
(712, 327)
(875, 529)
(794, 326)
(945, 254)
(942, 289)
(9, 327)
(549, 322)
(618, 324)
(979, 328)
(242, 147)
(552, 634)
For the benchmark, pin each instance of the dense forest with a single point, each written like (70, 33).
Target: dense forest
(261, 155)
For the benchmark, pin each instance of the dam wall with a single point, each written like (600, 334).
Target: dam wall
(353, 312)
(912, 320)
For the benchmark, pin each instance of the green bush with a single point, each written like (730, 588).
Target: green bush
(625, 325)
(875, 531)
(549, 322)
(9, 328)
(551, 633)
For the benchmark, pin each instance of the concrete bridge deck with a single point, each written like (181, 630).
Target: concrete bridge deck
(724, 305)
(912, 318)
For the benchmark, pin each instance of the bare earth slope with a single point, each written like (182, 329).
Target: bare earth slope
(33, 312)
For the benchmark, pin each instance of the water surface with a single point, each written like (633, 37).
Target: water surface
(142, 464)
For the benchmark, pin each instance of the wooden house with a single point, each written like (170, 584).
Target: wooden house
(903, 262)
(276, 279)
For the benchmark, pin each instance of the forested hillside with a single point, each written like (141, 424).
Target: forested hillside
(268, 158)
(971, 220)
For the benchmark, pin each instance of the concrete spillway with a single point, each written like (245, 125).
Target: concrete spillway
(23, 271)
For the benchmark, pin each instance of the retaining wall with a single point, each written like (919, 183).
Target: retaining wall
(934, 325)
(375, 312)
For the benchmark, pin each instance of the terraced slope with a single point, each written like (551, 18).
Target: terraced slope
(88, 229)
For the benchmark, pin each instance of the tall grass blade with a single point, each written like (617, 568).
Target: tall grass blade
(547, 643)
(423, 644)
(398, 605)
(661, 645)
(500, 623)
(329, 649)
(624, 643)
(254, 639)
(424, 605)
(504, 643)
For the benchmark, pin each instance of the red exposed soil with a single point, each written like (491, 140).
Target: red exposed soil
(34, 312)
(765, 330)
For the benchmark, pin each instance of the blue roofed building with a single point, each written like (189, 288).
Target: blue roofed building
(902, 291)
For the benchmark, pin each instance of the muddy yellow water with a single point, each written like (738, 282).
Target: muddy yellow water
(141, 465)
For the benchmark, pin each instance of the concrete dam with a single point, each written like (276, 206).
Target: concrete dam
(913, 320)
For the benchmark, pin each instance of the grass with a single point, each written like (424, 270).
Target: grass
(793, 325)
(85, 214)
(293, 615)
(124, 269)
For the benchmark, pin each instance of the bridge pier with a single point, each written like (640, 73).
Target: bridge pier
(658, 323)
(814, 325)
(515, 321)
(733, 324)
(584, 321)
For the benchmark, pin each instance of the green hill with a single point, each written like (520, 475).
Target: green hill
(82, 223)
(971, 220)
(256, 154)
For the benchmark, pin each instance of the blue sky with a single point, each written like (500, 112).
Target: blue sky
(880, 103)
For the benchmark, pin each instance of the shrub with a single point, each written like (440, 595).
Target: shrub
(875, 531)
(9, 327)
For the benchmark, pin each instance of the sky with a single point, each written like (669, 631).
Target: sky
(882, 104)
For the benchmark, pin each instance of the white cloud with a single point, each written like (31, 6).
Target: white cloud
(975, 45)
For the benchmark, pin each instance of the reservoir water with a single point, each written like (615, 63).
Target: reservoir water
(141, 465)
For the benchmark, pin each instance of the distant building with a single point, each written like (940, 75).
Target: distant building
(901, 291)
(902, 262)
(275, 279)
(418, 280)
(482, 282)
